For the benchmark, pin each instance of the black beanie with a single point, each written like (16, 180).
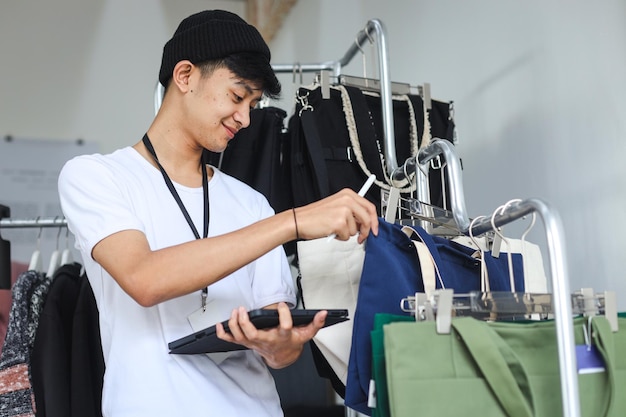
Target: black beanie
(207, 35)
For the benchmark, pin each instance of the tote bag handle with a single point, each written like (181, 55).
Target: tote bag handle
(506, 376)
(496, 362)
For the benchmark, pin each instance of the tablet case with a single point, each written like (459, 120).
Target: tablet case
(206, 340)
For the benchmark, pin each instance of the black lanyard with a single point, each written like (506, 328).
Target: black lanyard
(170, 185)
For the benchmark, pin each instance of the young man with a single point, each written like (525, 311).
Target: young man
(141, 216)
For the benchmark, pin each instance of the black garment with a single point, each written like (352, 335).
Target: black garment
(67, 363)
(258, 156)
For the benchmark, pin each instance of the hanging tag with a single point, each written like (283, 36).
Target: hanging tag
(588, 358)
(371, 396)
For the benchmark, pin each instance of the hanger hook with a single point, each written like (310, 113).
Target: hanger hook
(500, 210)
(358, 45)
(496, 230)
(484, 281)
(40, 232)
(58, 233)
(471, 231)
(530, 226)
(67, 237)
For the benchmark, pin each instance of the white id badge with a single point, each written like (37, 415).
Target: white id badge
(202, 318)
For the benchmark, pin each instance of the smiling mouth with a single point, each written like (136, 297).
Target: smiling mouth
(231, 132)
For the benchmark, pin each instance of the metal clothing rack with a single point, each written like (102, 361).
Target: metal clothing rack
(5, 247)
(560, 288)
(556, 247)
(374, 32)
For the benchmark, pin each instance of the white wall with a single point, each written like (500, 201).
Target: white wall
(539, 88)
(85, 69)
(540, 97)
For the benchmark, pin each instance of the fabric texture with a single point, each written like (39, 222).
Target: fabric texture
(379, 370)
(391, 272)
(207, 35)
(258, 156)
(66, 362)
(16, 392)
(330, 273)
(499, 368)
(101, 195)
(337, 142)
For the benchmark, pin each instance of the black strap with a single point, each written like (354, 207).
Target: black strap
(311, 136)
(170, 186)
(371, 148)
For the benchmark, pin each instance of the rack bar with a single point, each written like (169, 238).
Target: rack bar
(38, 222)
(333, 66)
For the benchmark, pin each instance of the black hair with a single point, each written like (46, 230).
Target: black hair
(255, 67)
(247, 66)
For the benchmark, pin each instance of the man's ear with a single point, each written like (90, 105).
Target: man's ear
(180, 75)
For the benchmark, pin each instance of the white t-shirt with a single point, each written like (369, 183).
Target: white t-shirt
(101, 195)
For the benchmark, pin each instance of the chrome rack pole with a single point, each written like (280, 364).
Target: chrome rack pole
(58, 221)
(453, 169)
(332, 66)
(560, 288)
(377, 28)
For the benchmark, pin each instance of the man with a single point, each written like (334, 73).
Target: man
(141, 217)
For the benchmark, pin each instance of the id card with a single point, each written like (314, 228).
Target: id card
(215, 312)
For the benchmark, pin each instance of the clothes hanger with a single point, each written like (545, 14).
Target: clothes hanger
(484, 282)
(66, 255)
(390, 205)
(442, 305)
(36, 264)
(498, 234)
(55, 257)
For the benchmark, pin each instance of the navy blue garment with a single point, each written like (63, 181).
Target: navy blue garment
(391, 272)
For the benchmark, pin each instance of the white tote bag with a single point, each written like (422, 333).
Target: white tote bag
(330, 273)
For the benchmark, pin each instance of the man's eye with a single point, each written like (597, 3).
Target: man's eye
(237, 98)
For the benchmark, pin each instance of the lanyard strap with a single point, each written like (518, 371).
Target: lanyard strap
(170, 186)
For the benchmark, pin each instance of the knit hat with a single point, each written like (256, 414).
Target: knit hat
(207, 35)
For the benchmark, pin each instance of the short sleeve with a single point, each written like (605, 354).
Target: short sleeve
(93, 201)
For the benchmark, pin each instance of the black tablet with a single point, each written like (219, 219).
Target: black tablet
(206, 340)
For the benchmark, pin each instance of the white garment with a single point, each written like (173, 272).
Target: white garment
(102, 195)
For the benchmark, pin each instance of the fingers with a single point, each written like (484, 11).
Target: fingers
(279, 346)
(343, 214)
(319, 320)
(284, 317)
(241, 329)
(361, 216)
(244, 332)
